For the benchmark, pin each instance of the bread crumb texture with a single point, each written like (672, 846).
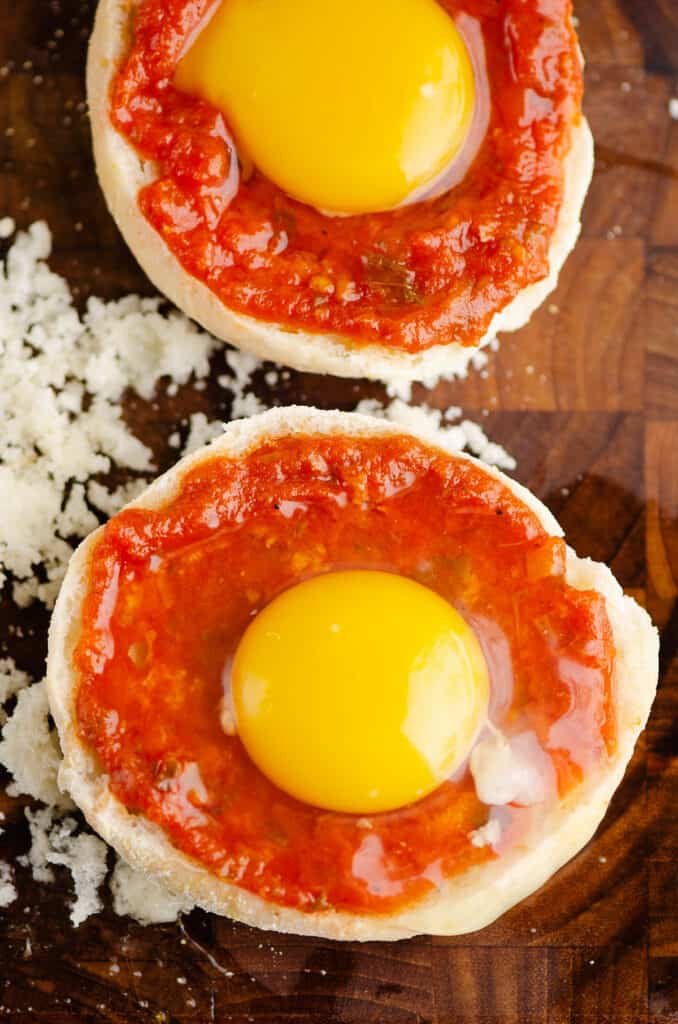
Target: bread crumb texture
(64, 376)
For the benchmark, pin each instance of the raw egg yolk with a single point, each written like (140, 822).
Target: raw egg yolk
(348, 106)
(359, 691)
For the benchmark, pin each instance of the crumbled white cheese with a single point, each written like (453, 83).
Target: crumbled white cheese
(434, 424)
(243, 367)
(12, 680)
(30, 752)
(201, 432)
(479, 359)
(245, 405)
(420, 418)
(478, 443)
(29, 749)
(401, 389)
(7, 227)
(110, 502)
(673, 108)
(8, 892)
(62, 377)
(138, 895)
(55, 842)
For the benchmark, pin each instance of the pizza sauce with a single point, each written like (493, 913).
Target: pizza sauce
(171, 590)
(431, 273)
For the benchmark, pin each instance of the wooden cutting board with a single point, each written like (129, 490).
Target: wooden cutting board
(586, 398)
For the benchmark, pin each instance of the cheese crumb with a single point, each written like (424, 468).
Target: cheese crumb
(84, 855)
(62, 378)
(673, 108)
(243, 367)
(201, 432)
(137, 895)
(245, 405)
(401, 389)
(12, 680)
(429, 423)
(7, 227)
(30, 751)
(110, 502)
(8, 892)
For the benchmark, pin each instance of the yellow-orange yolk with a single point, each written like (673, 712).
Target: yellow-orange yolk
(359, 691)
(348, 106)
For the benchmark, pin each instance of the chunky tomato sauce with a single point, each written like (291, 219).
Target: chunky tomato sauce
(172, 590)
(428, 274)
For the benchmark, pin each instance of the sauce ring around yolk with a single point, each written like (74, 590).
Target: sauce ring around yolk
(384, 286)
(169, 594)
(354, 712)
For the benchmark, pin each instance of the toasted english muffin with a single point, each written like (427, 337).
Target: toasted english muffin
(122, 173)
(463, 903)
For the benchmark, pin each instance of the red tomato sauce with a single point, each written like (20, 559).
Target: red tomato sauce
(171, 591)
(432, 273)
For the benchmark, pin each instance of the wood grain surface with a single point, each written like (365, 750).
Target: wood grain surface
(586, 398)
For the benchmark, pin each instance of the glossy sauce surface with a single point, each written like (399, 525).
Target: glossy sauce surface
(433, 273)
(171, 592)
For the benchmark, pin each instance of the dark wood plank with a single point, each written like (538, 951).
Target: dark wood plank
(658, 319)
(586, 397)
(628, 109)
